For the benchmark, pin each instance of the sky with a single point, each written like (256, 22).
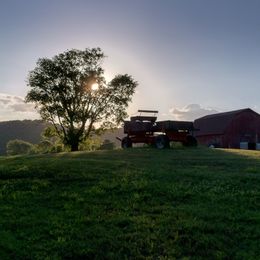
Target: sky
(190, 57)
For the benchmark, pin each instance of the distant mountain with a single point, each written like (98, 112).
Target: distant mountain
(30, 131)
(27, 130)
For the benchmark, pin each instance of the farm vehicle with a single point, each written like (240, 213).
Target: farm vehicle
(145, 129)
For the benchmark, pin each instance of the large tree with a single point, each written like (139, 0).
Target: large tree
(70, 91)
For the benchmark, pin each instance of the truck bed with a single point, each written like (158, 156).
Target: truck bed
(135, 127)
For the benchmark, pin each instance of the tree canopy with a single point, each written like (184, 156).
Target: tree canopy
(63, 91)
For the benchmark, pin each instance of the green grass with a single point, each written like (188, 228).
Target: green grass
(134, 204)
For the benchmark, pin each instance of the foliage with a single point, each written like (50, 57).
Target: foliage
(51, 142)
(107, 145)
(15, 147)
(44, 146)
(49, 133)
(90, 144)
(131, 204)
(61, 88)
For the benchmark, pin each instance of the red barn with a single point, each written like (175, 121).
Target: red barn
(230, 129)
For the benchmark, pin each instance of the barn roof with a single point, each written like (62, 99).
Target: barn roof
(217, 123)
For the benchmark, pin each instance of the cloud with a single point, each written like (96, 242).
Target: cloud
(15, 103)
(191, 112)
(4, 101)
(14, 108)
(18, 99)
(22, 107)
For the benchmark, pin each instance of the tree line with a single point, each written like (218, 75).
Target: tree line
(51, 143)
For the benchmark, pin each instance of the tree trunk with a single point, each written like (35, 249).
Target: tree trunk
(73, 141)
(74, 146)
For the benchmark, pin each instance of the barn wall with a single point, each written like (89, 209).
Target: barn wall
(216, 140)
(245, 127)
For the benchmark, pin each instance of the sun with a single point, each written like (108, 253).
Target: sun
(95, 86)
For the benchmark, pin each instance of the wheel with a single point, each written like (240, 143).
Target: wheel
(126, 143)
(190, 141)
(162, 142)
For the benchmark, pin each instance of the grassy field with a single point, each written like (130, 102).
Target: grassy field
(134, 204)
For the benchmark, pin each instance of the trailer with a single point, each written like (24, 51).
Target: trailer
(145, 129)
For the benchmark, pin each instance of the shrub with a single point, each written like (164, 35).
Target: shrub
(44, 146)
(91, 144)
(107, 145)
(15, 147)
(58, 148)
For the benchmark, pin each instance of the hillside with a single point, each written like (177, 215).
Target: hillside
(131, 204)
(30, 131)
(27, 130)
